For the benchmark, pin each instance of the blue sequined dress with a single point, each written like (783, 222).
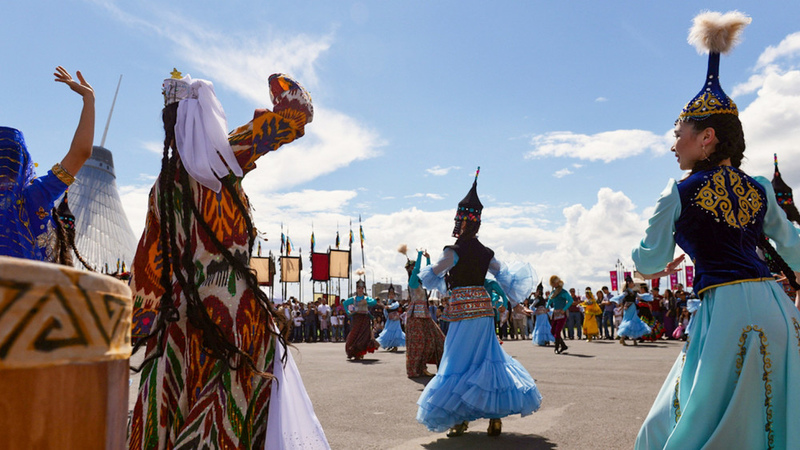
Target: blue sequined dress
(736, 384)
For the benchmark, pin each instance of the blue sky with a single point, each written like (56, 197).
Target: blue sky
(566, 106)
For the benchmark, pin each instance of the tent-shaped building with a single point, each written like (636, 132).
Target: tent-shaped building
(103, 234)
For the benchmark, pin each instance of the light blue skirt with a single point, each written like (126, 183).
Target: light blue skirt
(632, 326)
(476, 379)
(392, 335)
(736, 384)
(542, 333)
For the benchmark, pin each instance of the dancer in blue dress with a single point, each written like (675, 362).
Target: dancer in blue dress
(392, 335)
(542, 332)
(476, 377)
(631, 327)
(28, 226)
(736, 384)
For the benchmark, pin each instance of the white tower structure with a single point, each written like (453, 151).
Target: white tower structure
(103, 234)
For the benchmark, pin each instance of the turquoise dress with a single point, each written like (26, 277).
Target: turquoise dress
(736, 384)
(476, 377)
(632, 326)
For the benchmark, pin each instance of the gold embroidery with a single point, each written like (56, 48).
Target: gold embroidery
(714, 198)
(767, 365)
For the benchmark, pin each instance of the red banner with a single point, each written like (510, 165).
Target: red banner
(320, 266)
(614, 281)
(655, 283)
(689, 276)
(627, 275)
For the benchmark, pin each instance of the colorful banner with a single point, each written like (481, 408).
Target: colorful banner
(689, 276)
(655, 283)
(320, 267)
(614, 281)
(627, 275)
(673, 280)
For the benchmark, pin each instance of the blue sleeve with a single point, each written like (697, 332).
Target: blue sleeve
(657, 248)
(432, 277)
(778, 228)
(516, 280)
(569, 299)
(44, 191)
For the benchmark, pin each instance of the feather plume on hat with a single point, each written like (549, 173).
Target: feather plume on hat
(360, 272)
(714, 32)
(403, 248)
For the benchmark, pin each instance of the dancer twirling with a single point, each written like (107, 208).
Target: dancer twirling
(542, 334)
(424, 339)
(476, 378)
(392, 335)
(360, 340)
(631, 327)
(559, 301)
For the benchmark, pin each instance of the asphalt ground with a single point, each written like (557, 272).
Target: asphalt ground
(595, 395)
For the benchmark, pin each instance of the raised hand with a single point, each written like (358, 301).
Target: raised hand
(81, 86)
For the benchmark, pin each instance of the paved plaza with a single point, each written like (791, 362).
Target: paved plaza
(595, 396)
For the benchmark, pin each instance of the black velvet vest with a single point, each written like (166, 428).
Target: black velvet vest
(473, 263)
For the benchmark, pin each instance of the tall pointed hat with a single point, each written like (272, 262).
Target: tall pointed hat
(470, 207)
(713, 33)
(784, 195)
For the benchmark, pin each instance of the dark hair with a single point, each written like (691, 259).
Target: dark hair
(178, 261)
(730, 137)
(470, 231)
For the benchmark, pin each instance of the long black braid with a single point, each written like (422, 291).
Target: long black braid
(776, 263)
(215, 343)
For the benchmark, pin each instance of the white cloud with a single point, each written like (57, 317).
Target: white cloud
(562, 173)
(606, 146)
(153, 147)
(601, 99)
(427, 195)
(441, 171)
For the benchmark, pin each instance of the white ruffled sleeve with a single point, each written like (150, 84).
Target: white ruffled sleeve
(517, 279)
(778, 228)
(292, 423)
(432, 276)
(657, 248)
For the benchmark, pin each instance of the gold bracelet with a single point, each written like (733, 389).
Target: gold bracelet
(62, 174)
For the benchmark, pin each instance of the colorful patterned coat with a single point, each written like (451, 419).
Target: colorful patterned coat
(186, 397)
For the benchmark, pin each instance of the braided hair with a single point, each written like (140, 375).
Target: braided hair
(64, 222)
(178, 261)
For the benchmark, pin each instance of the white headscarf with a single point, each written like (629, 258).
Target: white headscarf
(201, 134)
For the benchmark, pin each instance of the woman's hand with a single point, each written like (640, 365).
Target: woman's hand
(674, 266)
(81, 86)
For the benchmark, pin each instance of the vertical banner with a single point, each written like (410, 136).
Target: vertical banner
(614, 281)
(689, 276)
(627, 275)
(655, 283)
(673, 280)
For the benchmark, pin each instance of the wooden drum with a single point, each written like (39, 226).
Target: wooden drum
(65, 341)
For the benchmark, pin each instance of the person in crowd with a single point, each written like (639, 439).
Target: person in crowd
(668, 306)
(424, 339)
(30, 227)
(518, 320)
(604, 299)
(217, 343)
(311, 322)
(735, 383)
(574, 316)
(298, 318)
(591, 310)
(559, 302)
(324, 319)
(476, 378)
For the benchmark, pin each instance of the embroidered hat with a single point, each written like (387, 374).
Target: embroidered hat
(470, 207)
(783, 193)
(713, 33)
